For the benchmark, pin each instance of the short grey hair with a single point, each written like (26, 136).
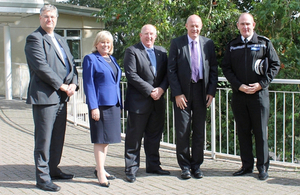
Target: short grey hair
(48, 8)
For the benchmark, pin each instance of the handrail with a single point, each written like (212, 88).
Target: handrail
(222, 139)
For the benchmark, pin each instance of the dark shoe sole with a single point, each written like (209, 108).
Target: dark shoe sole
(107, 184)
(130, 179)
(45, 188)
(111, 177)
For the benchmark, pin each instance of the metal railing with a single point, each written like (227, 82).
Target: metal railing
(220, 138)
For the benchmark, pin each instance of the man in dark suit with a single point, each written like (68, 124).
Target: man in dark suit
(53, 79)
(193, 76)
(146, 71)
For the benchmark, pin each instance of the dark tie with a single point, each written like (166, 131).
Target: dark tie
(152, 59)
(246, 40)
(195, 66)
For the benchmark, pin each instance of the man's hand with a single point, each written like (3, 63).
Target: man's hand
(64, 87)
(71, 90)
(156, 93)
(251, 88)
(181, 101)
(209, 99)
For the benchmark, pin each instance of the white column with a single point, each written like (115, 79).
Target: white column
(7, 62)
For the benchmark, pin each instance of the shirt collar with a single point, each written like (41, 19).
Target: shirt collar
(146, 48)
(249, 38)
(51, 35)
(190, 39)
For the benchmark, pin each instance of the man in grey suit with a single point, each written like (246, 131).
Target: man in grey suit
(193, 77)
(53, 79)
(146, 71)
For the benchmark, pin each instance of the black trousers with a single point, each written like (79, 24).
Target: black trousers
(251, 113)
(151, 126)
(49, 135)
(190, 123)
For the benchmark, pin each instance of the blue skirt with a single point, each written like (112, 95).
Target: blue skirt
(108, 129)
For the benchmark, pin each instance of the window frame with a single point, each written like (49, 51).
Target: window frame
(73, 38)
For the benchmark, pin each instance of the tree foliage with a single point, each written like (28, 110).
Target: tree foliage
(277, 19)
(124, 19)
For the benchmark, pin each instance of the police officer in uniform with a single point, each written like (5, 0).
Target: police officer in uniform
(250, 64)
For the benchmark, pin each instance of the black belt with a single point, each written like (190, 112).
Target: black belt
(192, 81)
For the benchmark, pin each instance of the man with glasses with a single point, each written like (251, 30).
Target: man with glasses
(53, 79)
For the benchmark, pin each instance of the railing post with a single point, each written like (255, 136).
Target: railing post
(7, 62)
(20, 83)
(213, 129)
(75, 108)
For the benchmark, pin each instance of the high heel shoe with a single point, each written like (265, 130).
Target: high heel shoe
(106, 184)
(110, 177)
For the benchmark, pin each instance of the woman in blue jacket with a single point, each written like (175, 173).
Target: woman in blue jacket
(101, 81)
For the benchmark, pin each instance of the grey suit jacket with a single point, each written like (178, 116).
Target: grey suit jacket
(141, 79)
(47, 70)
(179, 66)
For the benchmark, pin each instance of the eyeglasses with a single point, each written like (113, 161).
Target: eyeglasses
(48, 17)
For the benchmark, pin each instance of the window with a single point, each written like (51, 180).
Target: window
(73, 38)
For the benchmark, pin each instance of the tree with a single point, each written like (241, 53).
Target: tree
(87, 3)
(124, 19)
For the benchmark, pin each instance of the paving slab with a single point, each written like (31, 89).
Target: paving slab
(17, 173)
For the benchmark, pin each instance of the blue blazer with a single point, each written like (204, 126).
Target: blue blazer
(100, 86)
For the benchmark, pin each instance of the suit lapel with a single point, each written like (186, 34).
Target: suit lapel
(158, 59)
(102, 61)
(144, 53)
(201, 43)
(66, 49)
(186, 49)
(64, 46)
(49, 40)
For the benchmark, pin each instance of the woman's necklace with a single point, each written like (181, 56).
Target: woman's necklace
(107, 59)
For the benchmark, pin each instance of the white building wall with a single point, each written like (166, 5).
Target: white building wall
(20, 29)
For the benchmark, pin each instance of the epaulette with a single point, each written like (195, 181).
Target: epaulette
(232, 40)
(263, 37)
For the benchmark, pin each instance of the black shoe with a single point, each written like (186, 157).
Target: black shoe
(106, 184)
(110, 177)
(130, 178)
(263, 175)
(63, 176)
(185, 174)
(160, 172)
(48, 186)
(197, 174)
(242, 171)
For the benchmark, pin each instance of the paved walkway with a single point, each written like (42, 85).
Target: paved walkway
(17, 166)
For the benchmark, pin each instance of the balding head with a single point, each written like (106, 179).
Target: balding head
(246, 25)
(193, 26)
(148, 35)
